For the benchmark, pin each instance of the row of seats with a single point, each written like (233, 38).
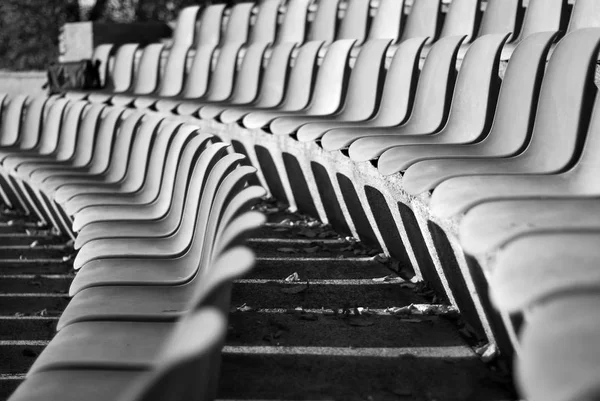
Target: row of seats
(422, 139)
(162, 209)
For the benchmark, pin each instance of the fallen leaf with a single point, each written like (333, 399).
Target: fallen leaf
(381, 258)
(387, 279)
(34, 244)
(287, 250)
(292, 277)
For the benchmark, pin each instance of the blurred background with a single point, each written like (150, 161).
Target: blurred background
(29, 29)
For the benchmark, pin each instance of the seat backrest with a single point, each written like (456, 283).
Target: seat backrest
(330, 81)
(476, 90)
(76, 125)
(423, 20)
(10, 128)
(198, 76)
(566, 102)
(185, 27)
(107, 130)
(148, 71)
(121, 146)
(102, 54)
(517, 101)
(324, 25)
(387, 23)
(400, 83)
(435, 86)
(182, 370)
(238, 25)
(500, 17)
(223, 78)
(208, 27)
(301, 80)
(34, 120)
(87, 135)
(585, 14)
(355, 21)
(293, 27)
(462, 18)
(247, 80)
(363, 91)
(264, 29)
(273, 85)
(173, 76)
(51, 127)
(543, 16)
(122, 74)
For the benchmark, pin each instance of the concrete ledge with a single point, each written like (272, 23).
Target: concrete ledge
(22, 82)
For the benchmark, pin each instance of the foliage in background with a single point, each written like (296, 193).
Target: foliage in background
(29, 28)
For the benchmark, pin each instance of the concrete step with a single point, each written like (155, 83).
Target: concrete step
(35, 266)
(27, 327)
(27, 252)
(35, 283)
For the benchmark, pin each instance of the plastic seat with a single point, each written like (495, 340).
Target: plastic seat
(511, 126)
(175, 244)
(293, 26)
(270, 89)
(146, 271)
(173, 77)
(299, 86)
(327, 93)
(500, 17)
(180, 371)
(135, 345)
(461, 19)
(200, 80)
(121, 77)
(361, 96)
(585, 14)
(101, 55)
(146, 77)
(154, 302)
(165, 217)
(431, 100)
(355, 22)
(165, 154)
(555, 139)
(324, 25)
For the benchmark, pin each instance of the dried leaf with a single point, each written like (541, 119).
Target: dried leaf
(244, 308)
(287, 250)
(34, 244)
(292, 277)
(381, 258)
(387, 279)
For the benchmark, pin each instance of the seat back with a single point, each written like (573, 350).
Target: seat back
(185, 27)
(77, 124)
(119, 154)
(264, 29)
(400, 83)
(476, 91)
(423, 20)
(364, 85)
(10, 126)
(462, 18)
(387, 23)
(122, 74)
(107, 131)
(148, 71)
(355, 21)
(247, 80)
(585, 14)
(301, 79)
(223, 79)
(273, 85)
(324, 25)
(330, 82)
(208, 27)
(542, 16)
(435, 87)
(87, 135)
(32, 123)
(102, 55)
(500, 17)
(293, 27)
(238, 25)
(519, 93)
(566, 103)
(51, 127)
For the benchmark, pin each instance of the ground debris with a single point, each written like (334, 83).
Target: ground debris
(424, 310)
(241, 308)
(292, 278)
(296, 289)
(487, 352)
(287, 250)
